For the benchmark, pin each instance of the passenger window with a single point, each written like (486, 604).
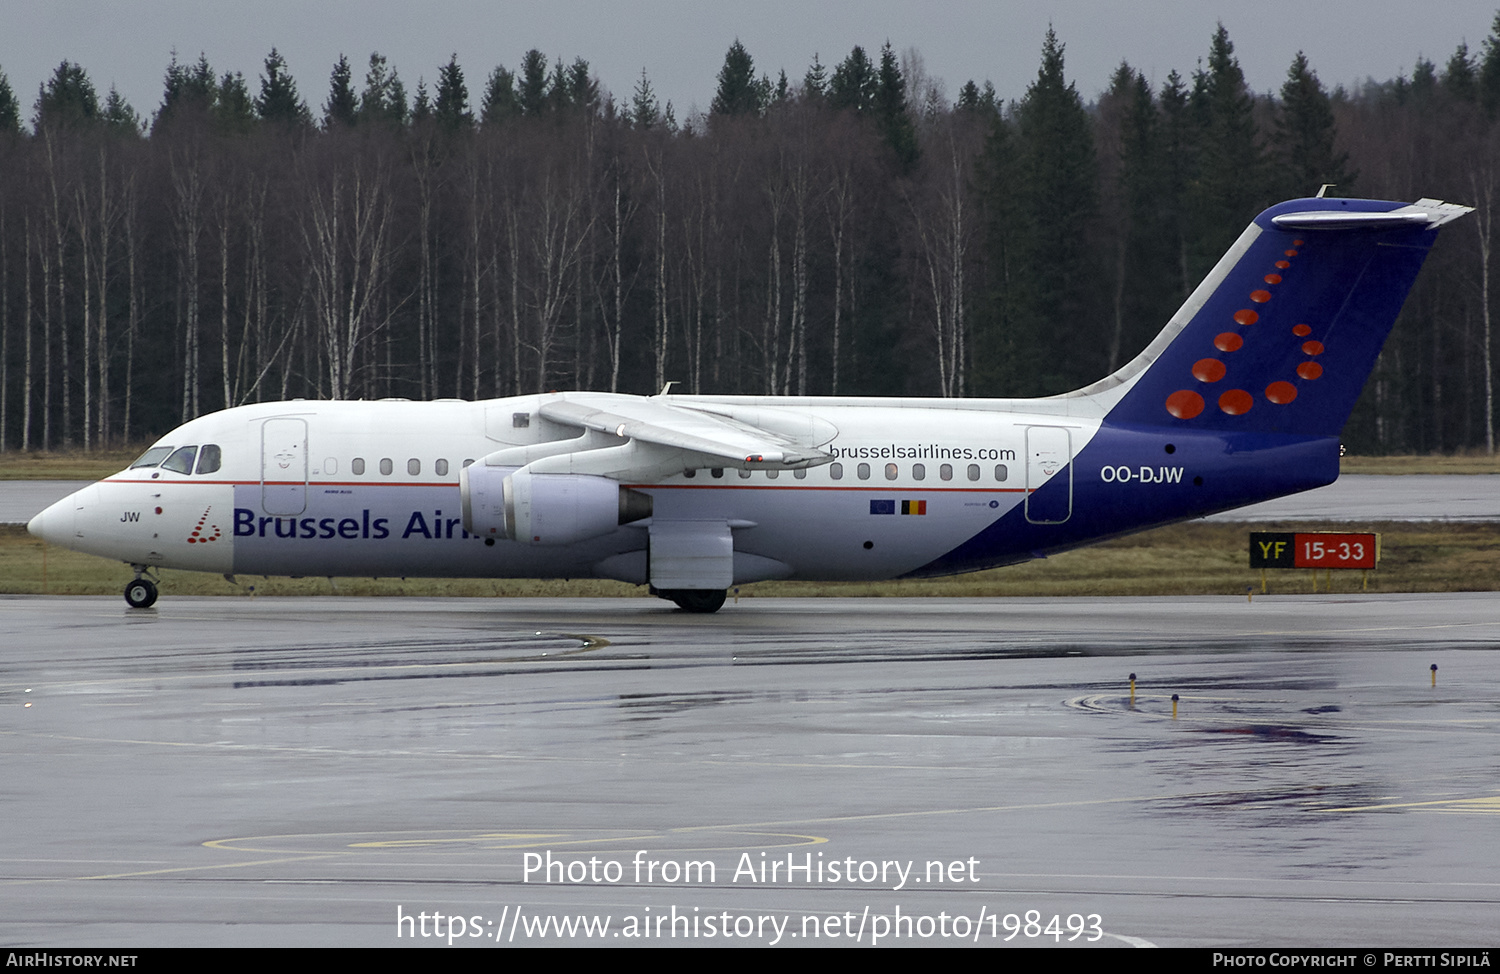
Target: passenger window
(918, 471)
(414, 466)
(946, 471)
(800, 473)
(836, 471)
(441, 468)
(181, 461)
(772, 474)
(690, 474)
(386, 466)
(468, 463)
(717, 473)
(973, 471)
(890, 471)
(357, 466)
(210, 459)
(1001, 473)
(744, 475)
(152, 457)
(862, 471)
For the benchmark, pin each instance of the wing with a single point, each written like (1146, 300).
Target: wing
(631, 438)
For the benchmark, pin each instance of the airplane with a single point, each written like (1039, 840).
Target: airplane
(1240, 398)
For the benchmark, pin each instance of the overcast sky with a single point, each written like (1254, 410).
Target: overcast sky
(681, 43)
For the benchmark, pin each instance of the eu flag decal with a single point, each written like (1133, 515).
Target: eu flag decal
(882, 507)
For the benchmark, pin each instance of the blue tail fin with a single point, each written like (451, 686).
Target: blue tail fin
(1282, 334)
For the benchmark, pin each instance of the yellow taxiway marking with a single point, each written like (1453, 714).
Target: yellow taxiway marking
(173, 869)
(590, 839)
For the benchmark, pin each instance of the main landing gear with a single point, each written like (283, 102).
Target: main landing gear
(140, 593)
(703, 600)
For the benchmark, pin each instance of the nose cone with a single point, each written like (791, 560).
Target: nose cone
(63, 522)
(55, 524)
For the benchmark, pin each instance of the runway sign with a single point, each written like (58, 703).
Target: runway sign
(1314, 549)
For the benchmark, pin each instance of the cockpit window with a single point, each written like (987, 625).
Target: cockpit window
(181, 461)
(210, 459)
(152, 457)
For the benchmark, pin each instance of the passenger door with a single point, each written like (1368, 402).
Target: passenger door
(283, 465)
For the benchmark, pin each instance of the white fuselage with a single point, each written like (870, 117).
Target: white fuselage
(372, 488)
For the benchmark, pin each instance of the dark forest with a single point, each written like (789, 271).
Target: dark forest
(851, 232)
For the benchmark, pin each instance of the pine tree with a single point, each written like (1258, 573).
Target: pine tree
(279, 101)
(342, 108)
(396, 108)
(559, 93)
(1305, 136)
(739, 93)
(1039, 328)
(968, 97)
(1459, 79)
(1058, 175)
(188, 91)
(1229, 188)
(533, 87)
(583, 88)
(500, 100)
(815, 81)
(234, 110)
(421, 106)
(10, 108)
(1150, 200)
(118, 116)
(67, 99)
(854, 82)
(384, 98)
(1489, 71)
(451, 108)
(977, 100)
(891, 111)
(1179, 149)
(645, 110)
(1004, 346)
(1423, 80)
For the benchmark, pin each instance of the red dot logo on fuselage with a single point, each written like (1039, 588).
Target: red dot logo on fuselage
(203, 532)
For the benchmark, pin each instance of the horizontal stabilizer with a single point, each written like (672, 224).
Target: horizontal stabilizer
(1423, 213)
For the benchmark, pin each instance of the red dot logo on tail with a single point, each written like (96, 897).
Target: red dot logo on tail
(1236, 402)
(1184, 404)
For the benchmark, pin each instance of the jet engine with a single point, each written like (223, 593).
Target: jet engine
(550, 509)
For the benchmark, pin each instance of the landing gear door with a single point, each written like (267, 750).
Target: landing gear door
(691, 555)
(1048, 456)
(283, 466)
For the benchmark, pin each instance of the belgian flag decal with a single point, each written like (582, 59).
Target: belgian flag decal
(889, 507)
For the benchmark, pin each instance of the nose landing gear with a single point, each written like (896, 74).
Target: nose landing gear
(140, 593)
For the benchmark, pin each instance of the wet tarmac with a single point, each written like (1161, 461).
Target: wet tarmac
(360, 771)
